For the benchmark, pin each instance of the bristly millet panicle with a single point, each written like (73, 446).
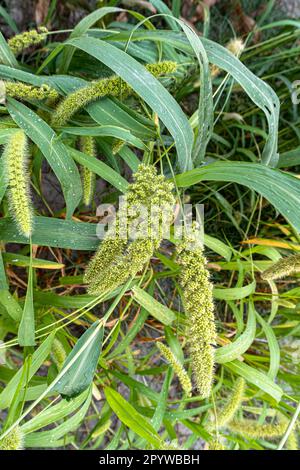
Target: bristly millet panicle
(23, 91)
(88, 146)
(177, 367)
(120, 258)
(113, 86)
(15, 160)
(284, 267)
(199, 308)
(20, 42)
(226, 414)
(58, 353)
(253, 430)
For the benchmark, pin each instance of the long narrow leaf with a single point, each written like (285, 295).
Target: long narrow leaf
(54, 151)
(80, 375)
(280, 189)
(149, 88)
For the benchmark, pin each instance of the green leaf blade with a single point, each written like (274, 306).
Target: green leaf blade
(79, 376)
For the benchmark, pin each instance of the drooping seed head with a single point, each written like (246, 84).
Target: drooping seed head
(23, 91)
(113, 86)
(234, 401)
(236, 47)
(253, 430)
(284, 267)
(15, 159)
(22, 41)
(117, 146)
(120, 256)
(177, 367)
(88, 146)
(199, 308)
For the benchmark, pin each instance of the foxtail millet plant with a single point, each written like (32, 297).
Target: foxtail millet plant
(23, 91)
(113, 86)
(253, 430)
(87, 145)
(284, 267)
(177, 367)
(14, 440)
(20, 42)
(123, 266)
(15, 160)
(199, 308)
(120, 257)
(234, 401)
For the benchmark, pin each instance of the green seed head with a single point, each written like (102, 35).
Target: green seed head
(120, 257)
(15, 159)
(198, 304)
(13, 440)
(113, 86)
(177, 367)
(87, 146)
(284, 267)
(252, 430)
(292, 440)
(233, 403)
(123, 266)
(28, 92)
(162, 68)
(20, 42)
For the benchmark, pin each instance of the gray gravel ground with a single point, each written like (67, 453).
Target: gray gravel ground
(291, 7)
